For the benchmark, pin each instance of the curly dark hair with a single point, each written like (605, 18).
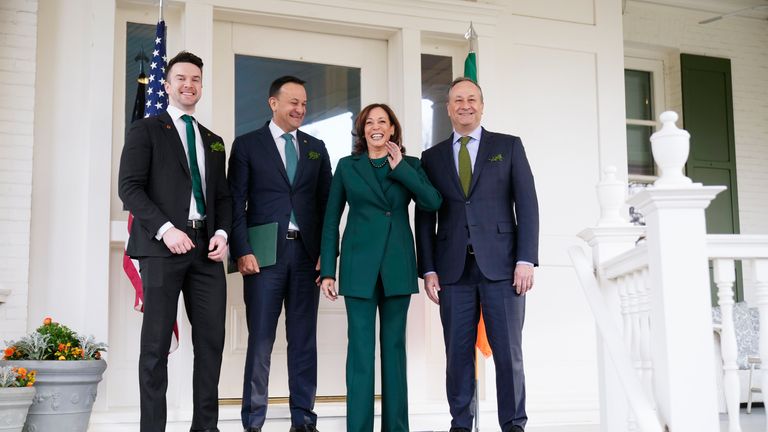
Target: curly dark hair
(361, 145)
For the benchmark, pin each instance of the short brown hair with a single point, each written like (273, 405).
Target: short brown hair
(184, 57)
(466, 79)
(361, 145)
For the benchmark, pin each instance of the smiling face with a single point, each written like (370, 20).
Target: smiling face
(465, 107)
(184, 86)
(378, 130)
(289, 106)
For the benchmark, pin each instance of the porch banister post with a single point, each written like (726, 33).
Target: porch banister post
(681, 330)
(612, 236)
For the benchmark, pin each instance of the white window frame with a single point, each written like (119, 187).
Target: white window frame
(655, 66)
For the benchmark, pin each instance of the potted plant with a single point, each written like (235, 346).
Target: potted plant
(69, 369)
(16, 393)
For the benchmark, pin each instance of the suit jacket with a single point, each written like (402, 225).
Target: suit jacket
(378, 238)
(500, 215)
(155, 183)
(262, 193)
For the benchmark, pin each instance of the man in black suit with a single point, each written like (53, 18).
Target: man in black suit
(172, 180)
(280, 174)
(482, 253)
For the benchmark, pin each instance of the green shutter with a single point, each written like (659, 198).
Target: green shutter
(708, 116)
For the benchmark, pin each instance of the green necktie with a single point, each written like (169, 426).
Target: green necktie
(194, 169)
(465, 165)
(291, 159)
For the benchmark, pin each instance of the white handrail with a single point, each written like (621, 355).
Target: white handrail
(646, 416)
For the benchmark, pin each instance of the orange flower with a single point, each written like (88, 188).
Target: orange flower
(9, 351)
(61, 347)
(97, 355)
(30, 384)
(47, 321)
(22, 372)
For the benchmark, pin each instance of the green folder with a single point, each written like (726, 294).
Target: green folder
(263, 241)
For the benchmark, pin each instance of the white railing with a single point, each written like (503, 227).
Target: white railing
(658, 294)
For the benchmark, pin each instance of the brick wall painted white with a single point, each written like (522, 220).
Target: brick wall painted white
(745, 42)
(18, 42)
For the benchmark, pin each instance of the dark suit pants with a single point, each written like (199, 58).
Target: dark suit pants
(504, 312)
(291, 281)
(203, 284)
(361, 360)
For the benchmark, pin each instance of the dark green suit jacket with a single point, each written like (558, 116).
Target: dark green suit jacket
(378, 237)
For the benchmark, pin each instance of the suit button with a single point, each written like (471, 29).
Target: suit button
(467, 203)
(388, 214)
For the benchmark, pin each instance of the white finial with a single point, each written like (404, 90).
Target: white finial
(670, 146)
(611, 194)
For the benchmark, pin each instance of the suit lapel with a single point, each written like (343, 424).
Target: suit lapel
(208, 153)
(446, 152)
(483, 153)
(270, 150)
(302, 147)
(172, 137)
(363, 167)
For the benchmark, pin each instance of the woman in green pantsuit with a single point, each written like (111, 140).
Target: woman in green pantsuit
(378, 262)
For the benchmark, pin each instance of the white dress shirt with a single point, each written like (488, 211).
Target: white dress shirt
(277, 135)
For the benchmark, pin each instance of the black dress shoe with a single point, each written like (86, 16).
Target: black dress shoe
(516, 428)
(304, 428)
(453, 429)
(205, 430)
(252, 429)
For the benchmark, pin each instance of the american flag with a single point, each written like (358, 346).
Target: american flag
(157, 102)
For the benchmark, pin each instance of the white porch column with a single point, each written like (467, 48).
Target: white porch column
(69, 247)
(612, 236)
(682, 346)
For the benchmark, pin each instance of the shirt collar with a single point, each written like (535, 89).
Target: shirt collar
(475, 135)
(276, 132)
(176, 113)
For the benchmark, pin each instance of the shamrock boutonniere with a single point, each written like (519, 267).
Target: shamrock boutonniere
(218, 146)
(496, 158)
(313, 155)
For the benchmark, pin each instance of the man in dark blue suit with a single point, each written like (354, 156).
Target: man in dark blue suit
(482, 253)
(280, 174)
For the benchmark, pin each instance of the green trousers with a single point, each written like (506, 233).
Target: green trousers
(361, 358)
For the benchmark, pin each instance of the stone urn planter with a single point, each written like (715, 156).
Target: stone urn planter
(14, 404)
(66, 391)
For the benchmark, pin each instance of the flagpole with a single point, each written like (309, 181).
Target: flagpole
(161, 11)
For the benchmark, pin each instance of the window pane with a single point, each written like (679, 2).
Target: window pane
(637, 90)
(436, 77)
(333, 98)
(639, 150)
(139, 42)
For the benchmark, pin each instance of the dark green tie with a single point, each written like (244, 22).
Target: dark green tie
(291, 160)
(465, 165)
(194, 169)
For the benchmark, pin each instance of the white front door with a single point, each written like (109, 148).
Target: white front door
(343, 74)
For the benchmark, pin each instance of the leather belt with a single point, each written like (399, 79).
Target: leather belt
(196, 224)
(292, 235)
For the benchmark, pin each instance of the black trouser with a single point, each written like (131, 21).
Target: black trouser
(204, 286)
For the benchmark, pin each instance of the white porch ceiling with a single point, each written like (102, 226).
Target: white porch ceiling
(716, 7)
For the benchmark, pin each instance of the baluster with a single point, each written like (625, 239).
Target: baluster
(634, 308)
(623, 283)
(724, 273)
(760, 278)
(645, 334)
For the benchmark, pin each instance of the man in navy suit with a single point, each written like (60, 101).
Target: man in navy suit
(280, 174)
(482, 253)
(172, 180)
